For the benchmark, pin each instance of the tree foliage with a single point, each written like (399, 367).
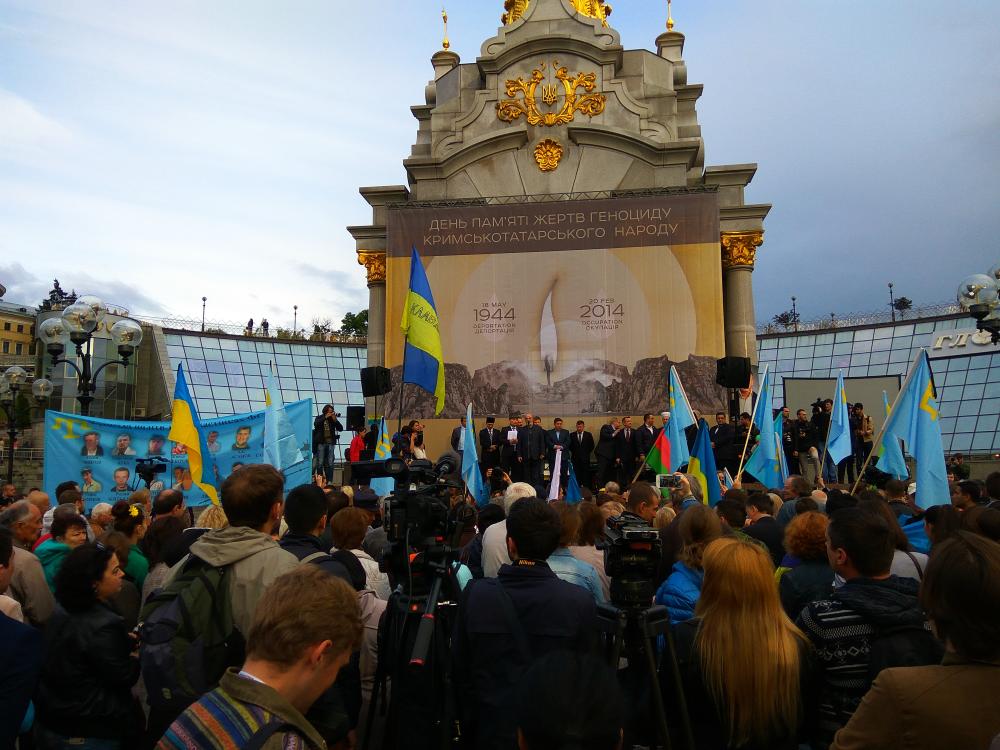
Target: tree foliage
(355, 324)
(786, 319)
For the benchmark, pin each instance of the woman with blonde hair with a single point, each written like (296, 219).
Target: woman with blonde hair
(745, 666)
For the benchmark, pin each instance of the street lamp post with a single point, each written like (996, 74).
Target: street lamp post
(892, 304)
(203, 301)
(78, 322)
(979, 296)
(795, 316)
(295, 320)
(11, 383)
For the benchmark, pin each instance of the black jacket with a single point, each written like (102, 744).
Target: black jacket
(531, 443)
(807, 582)
(489, 447)
(644, 438)
(581, 448)
(554, 615)
(605, 444)
(625, 447)
(769, 531)
(303, 545)
(552, 440)
(803, 436)
(335, 427)
(87, 679)
(20, 662)
(723, 437)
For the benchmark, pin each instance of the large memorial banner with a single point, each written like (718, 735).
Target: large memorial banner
(102, 454)
(570, 307)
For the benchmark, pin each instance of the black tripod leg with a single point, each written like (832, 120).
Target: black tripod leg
(675, 674)
(657, 697)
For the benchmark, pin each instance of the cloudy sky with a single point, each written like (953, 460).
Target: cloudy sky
(158, 152)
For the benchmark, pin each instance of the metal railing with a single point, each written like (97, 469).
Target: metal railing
(853, 319)
(231, 328)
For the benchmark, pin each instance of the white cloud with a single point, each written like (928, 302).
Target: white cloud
(24, 130)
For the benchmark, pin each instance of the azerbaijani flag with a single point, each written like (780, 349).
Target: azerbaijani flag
(423, 358)
(658, 458)
(702, 466)
(185, 429)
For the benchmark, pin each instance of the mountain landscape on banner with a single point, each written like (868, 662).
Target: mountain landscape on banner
(597, 387)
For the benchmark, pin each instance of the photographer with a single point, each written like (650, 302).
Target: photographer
(507, 623)
(326, 435)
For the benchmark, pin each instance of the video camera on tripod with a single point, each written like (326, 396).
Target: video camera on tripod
(632, 558)
(147, 469)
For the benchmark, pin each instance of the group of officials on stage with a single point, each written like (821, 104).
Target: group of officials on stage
(522, 448)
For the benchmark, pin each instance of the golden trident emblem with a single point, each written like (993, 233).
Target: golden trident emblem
(588, 104)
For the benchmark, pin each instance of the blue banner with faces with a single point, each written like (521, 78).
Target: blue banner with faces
(110, 458)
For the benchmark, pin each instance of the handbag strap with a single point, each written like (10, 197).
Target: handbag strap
(258, 739)
(916, 564)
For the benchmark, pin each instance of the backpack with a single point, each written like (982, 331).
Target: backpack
(188, 638)
(909, 645)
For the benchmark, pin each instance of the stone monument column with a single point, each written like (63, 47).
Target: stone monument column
(374, 263)
(739, 250)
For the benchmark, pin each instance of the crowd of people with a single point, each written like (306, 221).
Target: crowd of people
(798, 617)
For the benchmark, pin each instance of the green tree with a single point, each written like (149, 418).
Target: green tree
(786, 319)
(22, 412)
(902, 305)
(355, 324)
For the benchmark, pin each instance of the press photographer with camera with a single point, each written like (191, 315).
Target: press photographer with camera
(326, 435)
(506, 623)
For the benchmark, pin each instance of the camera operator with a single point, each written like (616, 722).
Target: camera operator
(507, 623)
(326, 435)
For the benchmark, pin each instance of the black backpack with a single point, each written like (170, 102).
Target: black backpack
(907, 645)
(188, 638)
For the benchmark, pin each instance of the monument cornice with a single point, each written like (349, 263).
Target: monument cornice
(653, 153)
(548, 46)
(431, 168)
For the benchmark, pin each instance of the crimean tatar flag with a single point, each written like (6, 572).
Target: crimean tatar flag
(185, 429)
(423, 359)
(702, 466)
(890, 455)
(281, 444)
(681, 417)
(382, 486)
(839, 443)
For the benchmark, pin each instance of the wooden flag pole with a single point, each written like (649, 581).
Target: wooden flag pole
(753, 421)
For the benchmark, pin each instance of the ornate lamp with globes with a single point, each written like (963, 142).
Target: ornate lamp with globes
(78, 323)
(979, 296)
(12, 382)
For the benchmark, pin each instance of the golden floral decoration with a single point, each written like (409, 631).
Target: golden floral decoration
(548, 153)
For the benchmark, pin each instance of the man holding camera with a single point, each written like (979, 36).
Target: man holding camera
(326, 435)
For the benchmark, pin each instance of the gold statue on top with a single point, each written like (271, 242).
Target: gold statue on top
(514, 9)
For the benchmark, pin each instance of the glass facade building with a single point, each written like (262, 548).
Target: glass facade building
(966, 367)
(227, 374)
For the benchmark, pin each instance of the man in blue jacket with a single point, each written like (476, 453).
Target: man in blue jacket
(507, 623)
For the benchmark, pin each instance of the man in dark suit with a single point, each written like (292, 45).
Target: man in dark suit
(557, 440)
(626, 456)
(458, 438)
(645, 437)
(490, 442)
(531, 453)
(605, 452)
(763, 526)
(20, 656)
(581, 445)
(723, 437)
(508, 448)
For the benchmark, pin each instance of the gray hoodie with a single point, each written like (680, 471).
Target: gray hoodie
(256, 561)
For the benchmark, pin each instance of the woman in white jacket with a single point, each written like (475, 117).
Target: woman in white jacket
(347, 530)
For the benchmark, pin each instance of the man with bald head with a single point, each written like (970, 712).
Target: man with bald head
(27, 585)
(40, 500)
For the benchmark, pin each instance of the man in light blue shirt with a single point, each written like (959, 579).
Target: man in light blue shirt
(575, 571)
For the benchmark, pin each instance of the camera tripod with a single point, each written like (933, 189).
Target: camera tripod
(633, 630)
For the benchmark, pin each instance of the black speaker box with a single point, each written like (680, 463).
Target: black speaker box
(355, 417)
(733, 372)
(375, 381)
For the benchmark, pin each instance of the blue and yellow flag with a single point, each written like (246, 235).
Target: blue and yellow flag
(185, 429)
(702, 466)
(681, 417)
(765, 463)
(915, 420)
(839, 443)
(423, 360)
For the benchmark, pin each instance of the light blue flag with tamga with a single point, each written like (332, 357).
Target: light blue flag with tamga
(471, 474)
(281, 445)
(681, 417)
(838, 445)
(383, 486)
(890, 455)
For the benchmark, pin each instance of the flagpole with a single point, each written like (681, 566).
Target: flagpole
(402, 385)
(753, 420)
(885, 423)
(829, 426)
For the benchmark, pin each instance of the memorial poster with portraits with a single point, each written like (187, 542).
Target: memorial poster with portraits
(106, 456)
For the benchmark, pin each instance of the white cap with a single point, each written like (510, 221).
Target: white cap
(912, 489)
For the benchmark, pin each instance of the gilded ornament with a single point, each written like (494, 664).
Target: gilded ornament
(589, 104)
(514, 9)
(548, 153)
(374, 263)
(740, 248)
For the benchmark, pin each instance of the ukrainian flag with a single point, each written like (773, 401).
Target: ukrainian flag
(702, 466)
(185, 429)
(423, 361)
